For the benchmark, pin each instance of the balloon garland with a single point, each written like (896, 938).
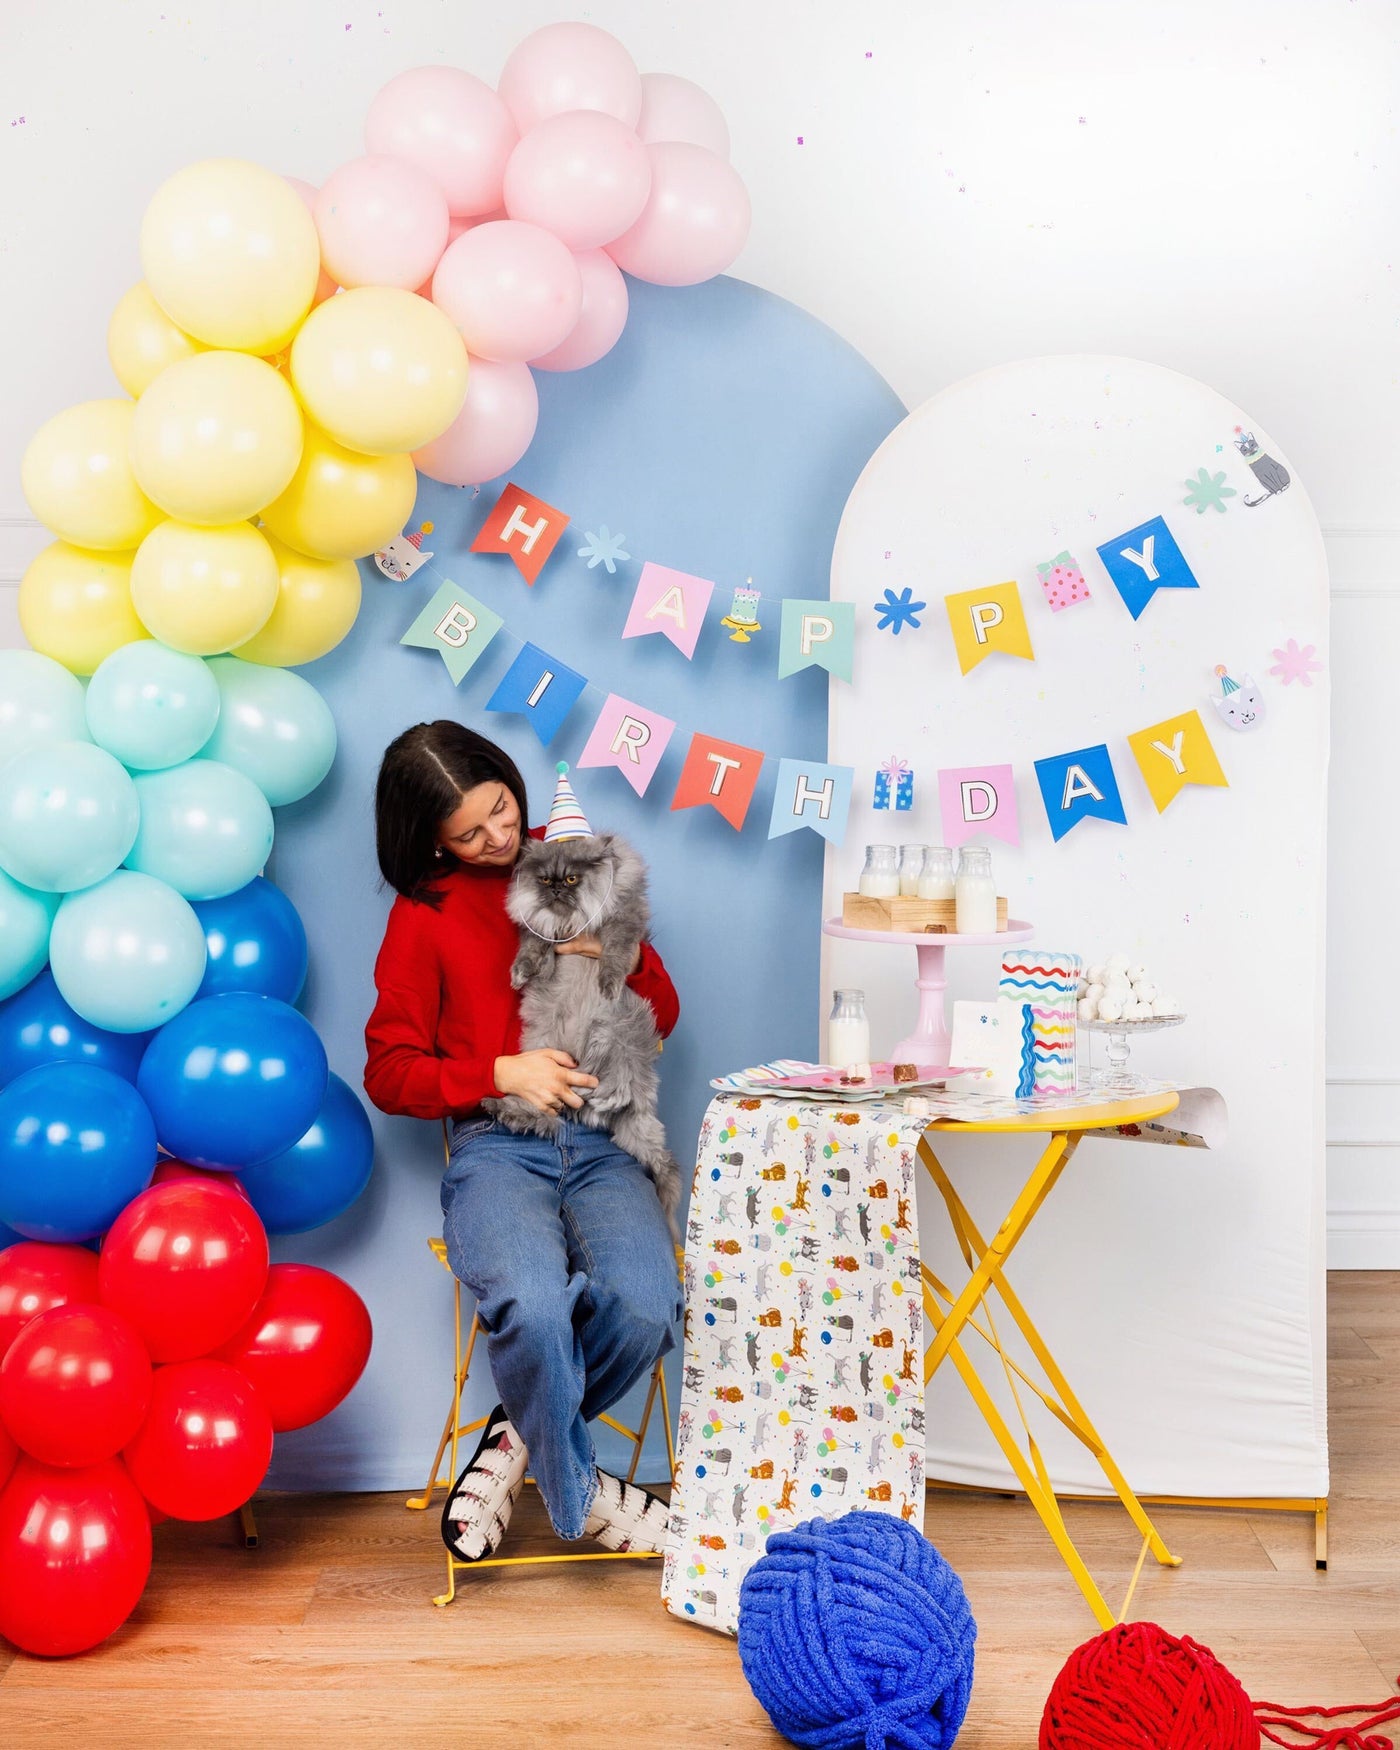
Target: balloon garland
(291, 359)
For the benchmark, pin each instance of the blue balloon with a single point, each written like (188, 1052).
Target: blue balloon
(233, 1079)
(68, 815)
(205, 828)
(274, 726)
(38, 1027)
(256, 942)
(318, 1177)
(76, 1145)
(40, 700)
(8, 1237)
(127, 953)
(26, 917)
(151, 707)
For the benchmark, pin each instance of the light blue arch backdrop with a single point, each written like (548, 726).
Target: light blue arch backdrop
(721, 437)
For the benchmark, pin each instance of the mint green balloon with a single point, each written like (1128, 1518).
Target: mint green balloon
(150, 706)
(273, 726)
(26, 917)
(127, 954)
(40, 700)
(206, 830)
(68, 815)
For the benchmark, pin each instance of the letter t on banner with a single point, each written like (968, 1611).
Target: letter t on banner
(525, 527)
(672, 602)
(541, 689)
(457, 626)
(820, 634)
(630, 739)
(812, 795)
(721, 773)
(978, 802)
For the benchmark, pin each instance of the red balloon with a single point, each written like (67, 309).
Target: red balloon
(35, 1275)
(185, 1262)
(9, 1452)
(74, 1385)
(305, 1345)
(206, 1441)
(169, 1169)
(75, 1552)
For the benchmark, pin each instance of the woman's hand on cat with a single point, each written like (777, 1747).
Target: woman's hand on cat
(593, 948)
(546, 1079)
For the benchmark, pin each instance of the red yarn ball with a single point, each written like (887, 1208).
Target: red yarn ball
(1135, 1687)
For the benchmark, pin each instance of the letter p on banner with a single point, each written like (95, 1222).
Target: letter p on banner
(817, 635)
(720, 773)
(984, 620)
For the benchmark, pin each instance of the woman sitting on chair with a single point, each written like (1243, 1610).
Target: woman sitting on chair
(562, 1241)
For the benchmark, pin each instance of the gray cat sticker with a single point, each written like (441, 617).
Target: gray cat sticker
(1271, 475)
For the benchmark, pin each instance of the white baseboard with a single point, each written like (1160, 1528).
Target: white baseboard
(1363, 1239)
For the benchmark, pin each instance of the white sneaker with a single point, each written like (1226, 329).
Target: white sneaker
(478, 1510)
(625, 1516)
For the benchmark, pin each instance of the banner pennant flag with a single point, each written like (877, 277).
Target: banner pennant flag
(1173, 754)
(720, 773)
(457, 626)
(978, 802)
(525, 527)
(814, 795)
(987, 620)
(629, 738)
(539, 688)
(1076, 785)
(670, 602)
(817, 635)
(1145, 560)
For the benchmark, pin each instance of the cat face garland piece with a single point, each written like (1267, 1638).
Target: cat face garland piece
(404, 554)
(1241, 704)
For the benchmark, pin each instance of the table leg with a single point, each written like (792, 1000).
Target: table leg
(928, 1043)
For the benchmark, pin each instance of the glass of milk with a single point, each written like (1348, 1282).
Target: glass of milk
(848, 1030)
(879, 879)
(936, 876)
(911, 862)
(975, 892)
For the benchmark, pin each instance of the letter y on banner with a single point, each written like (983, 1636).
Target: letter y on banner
(721, 773)
(817, 634)
(629, 738)
(457, 626)
(812, 795)
(1174, 754)
(525, 527)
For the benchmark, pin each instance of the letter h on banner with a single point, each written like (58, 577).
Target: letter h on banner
(808, 794)
(523, 526)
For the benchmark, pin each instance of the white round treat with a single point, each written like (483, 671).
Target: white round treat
(1094, 992)
(1096, 974)
(1119, 990)
(1136, 973)
(1146, 992)
(1088, 1009)
(1138, 1012)
(1109, 1010)
(1082, 988)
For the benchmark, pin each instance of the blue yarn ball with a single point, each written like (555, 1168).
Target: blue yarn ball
(855, 1634)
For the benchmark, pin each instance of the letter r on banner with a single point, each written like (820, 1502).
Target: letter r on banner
(629, 738)
(721, 775)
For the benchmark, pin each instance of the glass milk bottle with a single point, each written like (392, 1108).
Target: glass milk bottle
(879, 879)
(848, 1031)
(975, 891)
(911, 862)
(936, 876)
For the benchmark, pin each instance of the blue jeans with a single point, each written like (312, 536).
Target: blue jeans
(565, 1246)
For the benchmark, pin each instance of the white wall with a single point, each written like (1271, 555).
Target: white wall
(1211, 186)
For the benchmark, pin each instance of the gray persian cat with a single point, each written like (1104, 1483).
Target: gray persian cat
(570, 1002)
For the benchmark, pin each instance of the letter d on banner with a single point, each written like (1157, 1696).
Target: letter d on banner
(457, 626)
(978, 802)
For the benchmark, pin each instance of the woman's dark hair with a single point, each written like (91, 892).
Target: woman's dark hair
(423, 776)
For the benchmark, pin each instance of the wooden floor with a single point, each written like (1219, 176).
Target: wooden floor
(325, 1634)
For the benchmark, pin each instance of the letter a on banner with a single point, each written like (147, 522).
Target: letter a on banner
(721, 773)
(1075, 786)
(813, 795)
(457, 626)
(539, 688)
(984, 620)
(525, 527)
(629, 738)
(1173, 754)
(817, 635)
(978, 802)
(671, 602)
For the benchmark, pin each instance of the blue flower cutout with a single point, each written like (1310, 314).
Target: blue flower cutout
(895, 612)
(604, 548)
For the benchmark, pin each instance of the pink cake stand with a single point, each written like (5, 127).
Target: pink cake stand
(928, 1044)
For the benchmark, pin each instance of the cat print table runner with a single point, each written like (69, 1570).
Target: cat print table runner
(803, 1389)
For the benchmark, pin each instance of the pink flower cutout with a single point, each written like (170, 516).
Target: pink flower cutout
(1293, 664)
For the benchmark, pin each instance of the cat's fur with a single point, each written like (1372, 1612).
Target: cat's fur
(593, 886)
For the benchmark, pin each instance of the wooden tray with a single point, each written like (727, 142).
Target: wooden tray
(936, 917)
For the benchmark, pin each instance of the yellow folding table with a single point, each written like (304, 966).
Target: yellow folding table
(953, 1313)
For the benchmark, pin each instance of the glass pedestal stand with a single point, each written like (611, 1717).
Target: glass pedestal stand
(928, 1044)
(1118, 1078)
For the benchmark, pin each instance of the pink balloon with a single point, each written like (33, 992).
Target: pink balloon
(675, 109)
(325, 286)
(694, 223)
(570, 66)
(458, 228)
(601, 321)
(582, 175)
(382, 223)
(450, 125)
(512, 290)
(493, 430)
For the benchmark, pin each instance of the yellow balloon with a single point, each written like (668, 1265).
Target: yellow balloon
(142, 340)
(317, 601)
(231, 254)
(75, 605)
(204, 590)
(78, 478)
(215, 438)
(382, 370)
(341, 505)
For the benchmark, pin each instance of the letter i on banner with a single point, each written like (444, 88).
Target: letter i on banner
(808, 794)
(720, 773)
(629, 738)
(525, 527)
(457, 626)
(670, 602)
(539, 688)
(978, 802)
(1173, 754)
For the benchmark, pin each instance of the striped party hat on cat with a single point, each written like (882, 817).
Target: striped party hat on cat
(566, 819)
(1227, 686)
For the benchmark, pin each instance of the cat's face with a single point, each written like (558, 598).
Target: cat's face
(1247, 444)
(562, 887)
(1243, 708)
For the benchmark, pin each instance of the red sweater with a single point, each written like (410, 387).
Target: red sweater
(445, 1010)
